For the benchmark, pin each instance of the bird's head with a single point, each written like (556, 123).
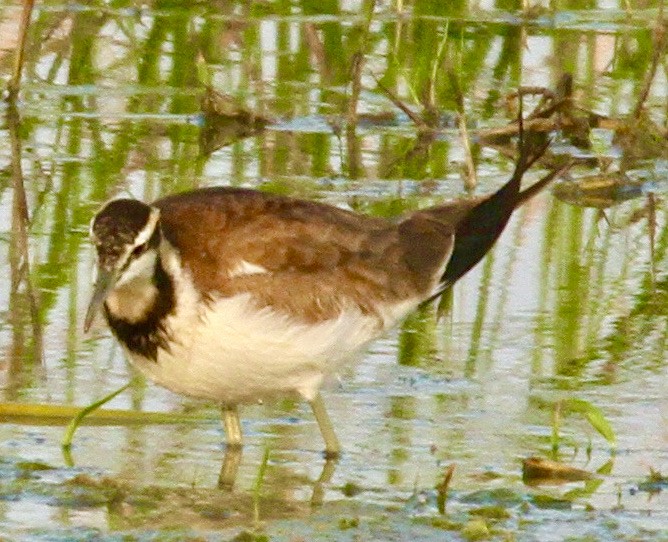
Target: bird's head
(126, 237)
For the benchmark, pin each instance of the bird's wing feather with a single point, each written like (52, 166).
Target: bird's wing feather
(303, 257)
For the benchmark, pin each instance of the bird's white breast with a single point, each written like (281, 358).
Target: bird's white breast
(235, 352)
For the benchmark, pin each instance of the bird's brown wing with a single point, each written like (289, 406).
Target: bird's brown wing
(301, 257)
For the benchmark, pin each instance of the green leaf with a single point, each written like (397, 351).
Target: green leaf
(76, 421)
(53, 414)
(595, 417)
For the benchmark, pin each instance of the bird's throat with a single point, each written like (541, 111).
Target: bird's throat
(138, 310)
(133, 301)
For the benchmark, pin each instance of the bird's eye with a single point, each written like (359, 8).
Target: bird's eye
(139, 250)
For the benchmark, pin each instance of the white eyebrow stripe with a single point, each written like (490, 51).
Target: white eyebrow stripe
(146, 232)
(246, 268)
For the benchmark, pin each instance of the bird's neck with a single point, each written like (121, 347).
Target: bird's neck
(137, 310)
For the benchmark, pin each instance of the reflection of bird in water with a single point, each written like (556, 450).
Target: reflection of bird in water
(237, 296)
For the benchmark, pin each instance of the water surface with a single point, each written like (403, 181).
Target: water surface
(571, 303)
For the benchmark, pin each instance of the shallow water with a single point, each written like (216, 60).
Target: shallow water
(571, 303)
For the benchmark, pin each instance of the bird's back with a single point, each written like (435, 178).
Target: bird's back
(301, 257)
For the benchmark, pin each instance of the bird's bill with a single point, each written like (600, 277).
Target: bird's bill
(103, 284)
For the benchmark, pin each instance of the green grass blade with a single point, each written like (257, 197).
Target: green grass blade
(45, 414)
(595, 417)
(76, 421)
(257, 487)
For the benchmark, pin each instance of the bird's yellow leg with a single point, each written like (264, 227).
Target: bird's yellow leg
(232, 425)
(332, 446)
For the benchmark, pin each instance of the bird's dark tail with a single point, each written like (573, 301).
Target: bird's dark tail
(477, 231)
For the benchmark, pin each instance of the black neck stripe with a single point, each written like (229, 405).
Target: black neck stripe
(148, 335)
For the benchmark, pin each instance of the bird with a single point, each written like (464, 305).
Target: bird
(237, 296)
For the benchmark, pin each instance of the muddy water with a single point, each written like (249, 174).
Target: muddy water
(571, 304)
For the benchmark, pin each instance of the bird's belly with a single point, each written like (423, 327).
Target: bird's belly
(236, 353)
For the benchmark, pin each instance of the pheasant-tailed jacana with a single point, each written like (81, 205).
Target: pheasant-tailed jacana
(237, 296)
